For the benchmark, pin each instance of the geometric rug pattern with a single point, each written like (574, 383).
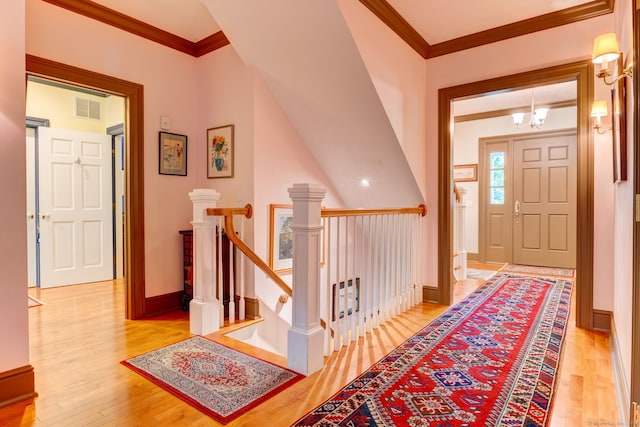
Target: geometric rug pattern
(490, 360)
(544, 271)
(220, 381)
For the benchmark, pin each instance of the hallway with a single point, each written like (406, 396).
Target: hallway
(79, 336)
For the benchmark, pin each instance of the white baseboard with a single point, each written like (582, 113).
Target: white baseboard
(623, 391)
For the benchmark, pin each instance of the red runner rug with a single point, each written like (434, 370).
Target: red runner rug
(220, 381)
(490, 360)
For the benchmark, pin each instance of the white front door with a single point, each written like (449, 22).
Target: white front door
(76, 229)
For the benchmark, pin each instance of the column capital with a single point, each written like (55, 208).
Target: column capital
(204, 195)
(307, 192)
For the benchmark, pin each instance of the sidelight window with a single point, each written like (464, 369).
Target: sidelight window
(496, 178)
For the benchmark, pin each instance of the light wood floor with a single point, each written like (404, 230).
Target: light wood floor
(79, 336)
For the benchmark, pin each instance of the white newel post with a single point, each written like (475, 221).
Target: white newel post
(461, 248)
(305, 349)
(204, 309)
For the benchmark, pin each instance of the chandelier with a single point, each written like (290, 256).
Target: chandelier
(536, 116)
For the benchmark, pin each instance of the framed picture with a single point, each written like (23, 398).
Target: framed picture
(353, 299)
(465, 173)
(619, 126)
(172, 154)
(220, 152)
(281, 238)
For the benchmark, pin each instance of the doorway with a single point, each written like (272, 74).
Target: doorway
(69, 197)
(134, 165)
(527, 199)
(582, 73)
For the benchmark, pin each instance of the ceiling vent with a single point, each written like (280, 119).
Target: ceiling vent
(88, 108)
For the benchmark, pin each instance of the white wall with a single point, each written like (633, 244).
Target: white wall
(170, 89)
(14, 328)
(465, 151)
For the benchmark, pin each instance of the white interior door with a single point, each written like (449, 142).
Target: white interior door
(76, 226)
(31, 207)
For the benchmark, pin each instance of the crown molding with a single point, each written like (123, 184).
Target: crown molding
(381, 8)
(131, 25)
(387, 14)
(538, 23)
(211, 43)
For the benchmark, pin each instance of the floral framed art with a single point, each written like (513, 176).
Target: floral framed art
(220, 152)
(172, 154)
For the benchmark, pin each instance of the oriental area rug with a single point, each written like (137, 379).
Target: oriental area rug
(490, 360)
(220, 381)
(544, 271)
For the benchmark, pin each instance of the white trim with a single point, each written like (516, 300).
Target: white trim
(623, 393)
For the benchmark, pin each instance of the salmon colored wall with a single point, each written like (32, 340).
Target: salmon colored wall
(170, 89)
(14, 328)
(543, 49)
(623, 213)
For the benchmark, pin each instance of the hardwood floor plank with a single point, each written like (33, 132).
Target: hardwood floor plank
(79, 337)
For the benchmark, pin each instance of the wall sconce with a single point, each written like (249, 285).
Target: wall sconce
(599, 110)
(605, 50)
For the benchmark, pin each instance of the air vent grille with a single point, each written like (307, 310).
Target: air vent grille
(88, 108)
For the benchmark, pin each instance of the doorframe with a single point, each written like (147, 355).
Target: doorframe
(582, 72)
(34, 123)
(134, 117)
(635, 304)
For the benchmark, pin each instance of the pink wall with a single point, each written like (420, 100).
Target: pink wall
(623, 214)
(170, 89)
(557, 46)
(14, 328)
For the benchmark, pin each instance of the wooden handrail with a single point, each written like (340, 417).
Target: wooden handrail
(327, 213)
(228, 224)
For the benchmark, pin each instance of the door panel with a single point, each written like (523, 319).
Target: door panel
(544, 187)
(75, 205)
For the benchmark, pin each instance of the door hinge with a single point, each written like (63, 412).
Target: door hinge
(635, 414)
(637, 207)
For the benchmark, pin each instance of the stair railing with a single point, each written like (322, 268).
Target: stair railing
(371, 269)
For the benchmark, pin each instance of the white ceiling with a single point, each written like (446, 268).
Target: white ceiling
(435, 21)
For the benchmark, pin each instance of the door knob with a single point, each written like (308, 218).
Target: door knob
(45, 216)
(516, 208)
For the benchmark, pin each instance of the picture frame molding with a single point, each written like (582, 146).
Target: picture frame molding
(465, 173)
(619, 125)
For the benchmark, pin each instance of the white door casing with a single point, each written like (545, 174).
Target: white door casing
(31, 207)
(76, 226)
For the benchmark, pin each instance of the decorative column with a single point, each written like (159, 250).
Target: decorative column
(204, 309)
(305, 349)
(461, 250)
